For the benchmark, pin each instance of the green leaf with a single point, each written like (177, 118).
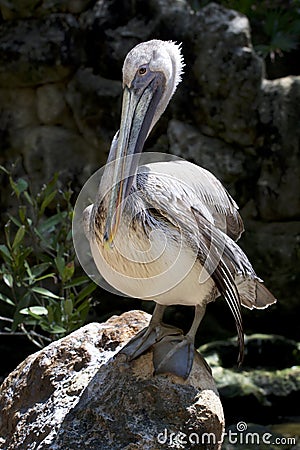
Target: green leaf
(83, 310)
(44, 277)
(15, 220)
(18, 187)
(23, 302)
(22, 255)
(50, 313)
(34, 310)
(41, 237)
(28, 270)
(8, 279)
(68, 271)
(50, 186)
(36, 270)
(22, 185)
(7, 233)
(19, 237)
(284, 42)
(6, 299)
(45, 292)
(4, 170)
(28, 198)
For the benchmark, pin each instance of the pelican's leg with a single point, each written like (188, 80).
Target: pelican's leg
(155, 331)
(175, 354)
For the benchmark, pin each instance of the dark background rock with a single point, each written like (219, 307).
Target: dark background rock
(77, 393)
(280, 173)
(268, 385)
(39, 51)
(60, 96)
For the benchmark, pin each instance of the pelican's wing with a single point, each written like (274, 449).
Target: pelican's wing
(209, 191)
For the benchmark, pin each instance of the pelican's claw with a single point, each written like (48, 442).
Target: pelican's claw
(174, 354)
(147, 337)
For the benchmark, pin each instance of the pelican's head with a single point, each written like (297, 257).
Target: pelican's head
(151, 72)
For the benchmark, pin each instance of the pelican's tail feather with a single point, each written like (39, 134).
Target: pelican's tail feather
(253, 293)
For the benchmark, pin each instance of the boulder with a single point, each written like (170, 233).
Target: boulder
(60, 90)
(267, 385)
(228, 74)
(266, 244)
(95, 103)
(17, 111)
(53, 149)
(215, 155)
(52, 107)
(78, 393)
(17, 9)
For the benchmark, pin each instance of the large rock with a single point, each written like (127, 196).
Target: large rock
(59, 110)
(96, 104)
(268, 243)
(39, 51)
(74, 395)
(51, 106)
(229, 76)
(52, 149)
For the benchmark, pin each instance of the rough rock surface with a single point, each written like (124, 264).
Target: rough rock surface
(280, 174)
(60, 89)
(212, 153)
(229, 76)
(72, 395)
(38, 51)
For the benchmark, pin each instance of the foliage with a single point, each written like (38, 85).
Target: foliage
(45, 298)
(275, 24)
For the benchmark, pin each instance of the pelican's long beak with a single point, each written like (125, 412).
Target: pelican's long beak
(138, 109)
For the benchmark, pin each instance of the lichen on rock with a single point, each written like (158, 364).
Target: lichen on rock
(78, 393)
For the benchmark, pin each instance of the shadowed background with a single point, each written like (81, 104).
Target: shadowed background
(60, 99)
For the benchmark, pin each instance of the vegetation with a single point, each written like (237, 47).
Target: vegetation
(275, 24)
(42, 294)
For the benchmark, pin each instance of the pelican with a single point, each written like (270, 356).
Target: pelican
(166, 231)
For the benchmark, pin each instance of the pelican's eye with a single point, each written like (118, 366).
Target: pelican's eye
(142, 70)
